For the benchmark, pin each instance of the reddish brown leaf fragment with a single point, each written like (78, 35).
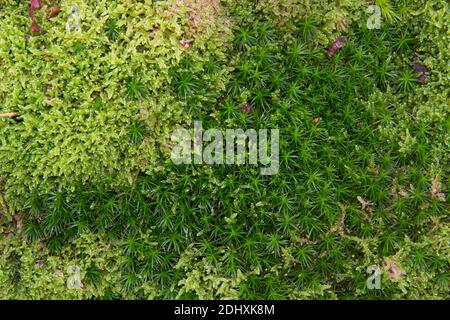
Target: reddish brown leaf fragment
(54, 11)
(34, 6)
(35, 28)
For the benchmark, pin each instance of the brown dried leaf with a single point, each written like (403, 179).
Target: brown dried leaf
(185, 43)
(366, 207)
(436, 189)
(8, 115)
(54, 11)
(341, 25)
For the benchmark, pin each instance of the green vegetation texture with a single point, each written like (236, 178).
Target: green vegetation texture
(86, 177)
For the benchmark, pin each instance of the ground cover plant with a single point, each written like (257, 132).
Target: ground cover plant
(91, 91)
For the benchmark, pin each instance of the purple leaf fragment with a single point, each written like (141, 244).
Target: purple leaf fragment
(336, 46)
(247, 108)
(420, 69)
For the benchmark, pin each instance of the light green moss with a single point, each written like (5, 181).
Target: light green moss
(70, 89)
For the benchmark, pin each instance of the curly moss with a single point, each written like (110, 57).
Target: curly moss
(32, 272)
(80, 94)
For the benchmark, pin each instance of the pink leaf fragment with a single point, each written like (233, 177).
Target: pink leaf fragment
(338, 44)
(35, 5)
(394, 272)
(185, 43)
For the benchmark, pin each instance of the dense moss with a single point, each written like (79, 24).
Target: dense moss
(364, 161)
(94, 100)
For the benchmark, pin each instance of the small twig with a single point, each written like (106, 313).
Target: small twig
(4, 208)
(8, 115)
